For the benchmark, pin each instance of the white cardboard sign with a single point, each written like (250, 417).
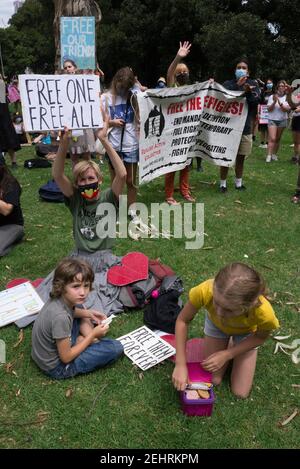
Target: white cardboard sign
(50, 102)
(18, 302)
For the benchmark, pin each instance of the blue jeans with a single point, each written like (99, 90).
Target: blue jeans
(94, 356)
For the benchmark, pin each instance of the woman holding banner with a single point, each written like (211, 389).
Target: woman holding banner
(82, 142)
(242, 82)
(178, 75)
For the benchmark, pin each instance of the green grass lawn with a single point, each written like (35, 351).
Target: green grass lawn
(122, 407)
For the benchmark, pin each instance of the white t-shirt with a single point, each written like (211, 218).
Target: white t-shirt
(117, 110)
(277, 114)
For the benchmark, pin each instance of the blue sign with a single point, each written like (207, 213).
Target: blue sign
(77, 40)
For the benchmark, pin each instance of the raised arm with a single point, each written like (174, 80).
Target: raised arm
(58, 167)
(183, 51)
(118, 165)
(180, 373)
(289, 89)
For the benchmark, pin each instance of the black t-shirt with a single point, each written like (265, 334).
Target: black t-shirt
(12, 196)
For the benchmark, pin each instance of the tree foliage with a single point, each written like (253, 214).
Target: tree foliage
(145, 34)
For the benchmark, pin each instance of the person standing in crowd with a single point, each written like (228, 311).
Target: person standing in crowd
(278, 109)
(13, 95)
(296, 138)
(295, 126)
(120, 103)
(242, 82)
(178, 75)
(82, 142)
(267, 90)
(11, 216)
(161, 83)
(9, 141)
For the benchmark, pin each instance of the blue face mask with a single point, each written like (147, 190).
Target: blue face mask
(269, 86)
(239, 73)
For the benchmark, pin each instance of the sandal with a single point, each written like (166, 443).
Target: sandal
(189, 198)
(172, 201)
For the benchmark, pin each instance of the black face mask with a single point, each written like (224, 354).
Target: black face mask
(89, 191)
(182, 78)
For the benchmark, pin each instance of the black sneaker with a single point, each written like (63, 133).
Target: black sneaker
(241, 188)
(223, 189)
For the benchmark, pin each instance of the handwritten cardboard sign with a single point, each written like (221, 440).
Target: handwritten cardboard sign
(145, 349)
(50, 102)
(177, 124)
(77, 40)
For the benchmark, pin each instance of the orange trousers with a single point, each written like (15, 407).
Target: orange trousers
(183, 183)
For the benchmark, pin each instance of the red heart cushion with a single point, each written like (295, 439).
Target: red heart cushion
(134, 268)
(18, 281)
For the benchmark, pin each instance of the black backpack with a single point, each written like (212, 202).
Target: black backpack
(51, 192)
(37, 163)
(162, 311)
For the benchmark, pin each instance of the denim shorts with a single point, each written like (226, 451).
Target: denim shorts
(129, 158)
(273, 123)
(95, 356)
(213, 331)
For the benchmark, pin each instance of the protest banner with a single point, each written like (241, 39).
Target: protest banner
(145, 348)
(77, 41)
(263, 115)
(204, 120)
(50, 102)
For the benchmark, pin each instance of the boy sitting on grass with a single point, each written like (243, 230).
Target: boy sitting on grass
(65, 341)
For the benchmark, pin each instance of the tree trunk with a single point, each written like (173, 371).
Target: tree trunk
(72, 8)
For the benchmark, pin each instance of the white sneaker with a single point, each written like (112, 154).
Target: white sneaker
(274, 157)
(269, 159)
(263, 145)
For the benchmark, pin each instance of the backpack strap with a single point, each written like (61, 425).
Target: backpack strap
(123, 128)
